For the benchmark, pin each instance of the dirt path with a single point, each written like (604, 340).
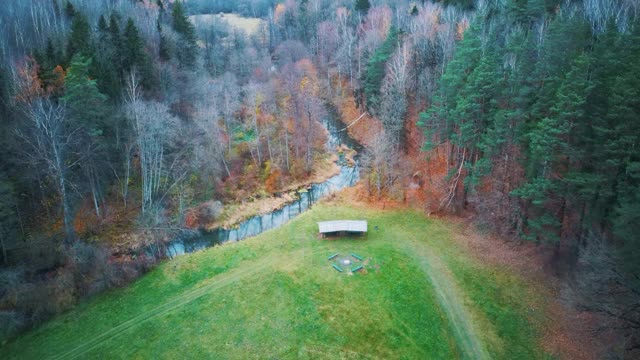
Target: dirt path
(450, 298)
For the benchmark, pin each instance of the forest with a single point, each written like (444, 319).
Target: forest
(128, 123)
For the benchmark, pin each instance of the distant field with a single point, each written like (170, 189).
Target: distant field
(276, 296)
(249, 25)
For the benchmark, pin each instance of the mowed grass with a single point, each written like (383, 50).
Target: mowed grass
(276, 296)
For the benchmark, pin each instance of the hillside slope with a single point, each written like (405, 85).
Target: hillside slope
(277, 296)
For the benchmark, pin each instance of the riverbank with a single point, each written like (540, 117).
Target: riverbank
(365, 129)
(235, 213)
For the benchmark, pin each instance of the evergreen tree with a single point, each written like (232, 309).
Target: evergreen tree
(6, 120)
(552, 154)
(116, 42)
(47, 62)
(362, 6)
(69, 10)
(134, 57)
(106, 66)
(4, 96)
(465, 4)
(86, 103)
(621, 139)
(303, 21)
(439, 120)
(102, 24)
(164, 50)
(8, 217)
(187, 50)
(376, 67)
(80, 37)
(133, 47)
(88, 112)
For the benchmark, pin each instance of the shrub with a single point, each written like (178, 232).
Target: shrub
(11, 322)
(209, 211)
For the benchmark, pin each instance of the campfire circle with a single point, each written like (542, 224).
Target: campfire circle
(350, 264)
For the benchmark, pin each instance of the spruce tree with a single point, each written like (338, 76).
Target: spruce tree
(48, 61)
(132, 50)
(8, 218)
(80, 37)
(106, 66)
(551, 151)
(164, 50)
(622, 139)
(376, 67)
(115, 41)
(85, 102)
(362, 6)
(69, 9)
(187, 49)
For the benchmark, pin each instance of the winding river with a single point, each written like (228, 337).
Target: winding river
(348, 176)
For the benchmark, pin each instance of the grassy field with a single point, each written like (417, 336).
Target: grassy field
(247, 24)
(276, 296)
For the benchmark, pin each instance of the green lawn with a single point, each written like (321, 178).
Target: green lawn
(276, 296)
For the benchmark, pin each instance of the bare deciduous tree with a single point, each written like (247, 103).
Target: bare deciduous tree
(394, 91)
(51, 143)
(154, 127)
(380, 164)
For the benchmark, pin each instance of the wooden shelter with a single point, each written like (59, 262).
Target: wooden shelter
(336, 227)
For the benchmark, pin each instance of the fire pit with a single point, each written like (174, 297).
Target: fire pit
(346, 263)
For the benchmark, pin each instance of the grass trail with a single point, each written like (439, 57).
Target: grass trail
(183, 299)
(450, 298)
(277, 296)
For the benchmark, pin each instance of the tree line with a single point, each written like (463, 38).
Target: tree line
(117, 117)
(539, 111)
(523, 111)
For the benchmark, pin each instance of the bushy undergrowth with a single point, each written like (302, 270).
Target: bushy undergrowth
(30, 295)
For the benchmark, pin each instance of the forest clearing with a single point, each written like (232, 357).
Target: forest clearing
(169, 167)
(274, 295)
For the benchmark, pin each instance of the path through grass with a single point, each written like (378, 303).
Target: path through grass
(277, 296)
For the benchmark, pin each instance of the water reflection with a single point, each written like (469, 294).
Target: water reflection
(348, 176)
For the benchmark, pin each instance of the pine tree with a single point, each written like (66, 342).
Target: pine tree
(88, 112)
(8, 216)
(69, 10)
(440, 119)
(135, 57)
(164, 50)
(552, 154)
(622, 140)
(132, 50)
(102, 24)
(5, 109)
(187, 50)
(86, 103)
(80, 37)
(362, 6)
(115, 42)
(48, 61)
(376, 67)
(106, 65)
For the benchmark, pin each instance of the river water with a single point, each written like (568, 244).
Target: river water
(348, 176)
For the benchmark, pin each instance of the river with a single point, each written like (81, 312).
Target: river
(348, 176)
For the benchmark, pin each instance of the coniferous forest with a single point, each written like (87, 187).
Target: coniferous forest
(127, 124)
